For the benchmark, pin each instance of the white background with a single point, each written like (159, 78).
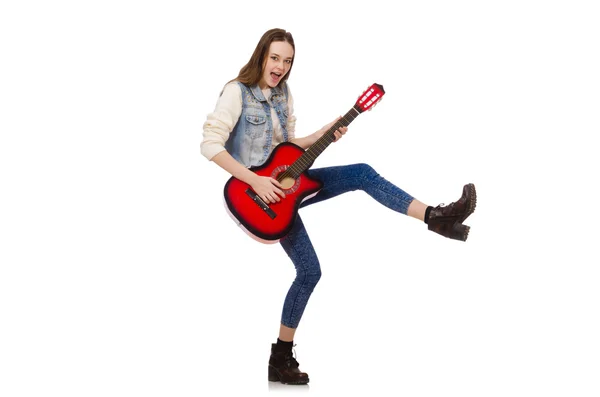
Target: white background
(122, 275)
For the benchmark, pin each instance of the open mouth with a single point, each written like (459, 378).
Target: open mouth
(275, 76)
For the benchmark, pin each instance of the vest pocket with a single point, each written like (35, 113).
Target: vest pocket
(255, 126)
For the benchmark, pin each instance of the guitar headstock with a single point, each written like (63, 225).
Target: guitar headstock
(370, 97)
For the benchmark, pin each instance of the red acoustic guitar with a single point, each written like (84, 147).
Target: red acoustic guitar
(288, 163)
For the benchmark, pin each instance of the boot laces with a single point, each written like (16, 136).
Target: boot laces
(290, 361)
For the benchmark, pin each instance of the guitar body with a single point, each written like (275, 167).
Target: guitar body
(288, 164)
(269, 222)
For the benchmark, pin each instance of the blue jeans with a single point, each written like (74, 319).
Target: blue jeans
(336, 180)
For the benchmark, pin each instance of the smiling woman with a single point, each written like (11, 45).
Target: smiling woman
(278, 64)
(274, 53)
(255, 114)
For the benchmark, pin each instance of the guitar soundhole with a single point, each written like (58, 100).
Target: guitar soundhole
(290, 185)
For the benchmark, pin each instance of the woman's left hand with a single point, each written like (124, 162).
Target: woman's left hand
(338, 133)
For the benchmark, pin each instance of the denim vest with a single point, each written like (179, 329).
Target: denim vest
(252, 137)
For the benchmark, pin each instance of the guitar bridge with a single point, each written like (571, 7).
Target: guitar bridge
(261, 203)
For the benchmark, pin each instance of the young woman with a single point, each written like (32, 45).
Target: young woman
(255, 113)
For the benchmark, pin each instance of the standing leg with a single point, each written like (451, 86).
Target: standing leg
(299, 248)
(283, 366)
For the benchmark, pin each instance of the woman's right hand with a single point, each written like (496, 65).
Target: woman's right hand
(267, 188)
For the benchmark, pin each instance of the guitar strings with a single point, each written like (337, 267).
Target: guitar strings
(321, 144)
(309, 156)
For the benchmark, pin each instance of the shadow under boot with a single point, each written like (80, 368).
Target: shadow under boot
(448, 220)
(283, 368)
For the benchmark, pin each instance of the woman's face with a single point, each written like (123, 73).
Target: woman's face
(277, 64)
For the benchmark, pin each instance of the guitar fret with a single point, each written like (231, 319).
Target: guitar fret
(310, 155)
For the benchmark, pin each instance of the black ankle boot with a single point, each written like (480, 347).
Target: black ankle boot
(283, 368)
(447, 220)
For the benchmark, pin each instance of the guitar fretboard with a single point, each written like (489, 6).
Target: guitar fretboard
(308, 157)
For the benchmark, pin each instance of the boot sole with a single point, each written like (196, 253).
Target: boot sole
(275, 377)
(472, 197)
(459, 231)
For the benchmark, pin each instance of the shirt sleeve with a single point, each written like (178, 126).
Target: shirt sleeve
(291, 121)
(220, 122)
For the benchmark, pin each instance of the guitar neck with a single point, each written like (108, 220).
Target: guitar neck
(305, 161)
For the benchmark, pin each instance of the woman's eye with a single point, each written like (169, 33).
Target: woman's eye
(288, 61)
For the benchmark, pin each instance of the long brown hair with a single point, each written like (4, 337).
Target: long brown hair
(251, 73)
